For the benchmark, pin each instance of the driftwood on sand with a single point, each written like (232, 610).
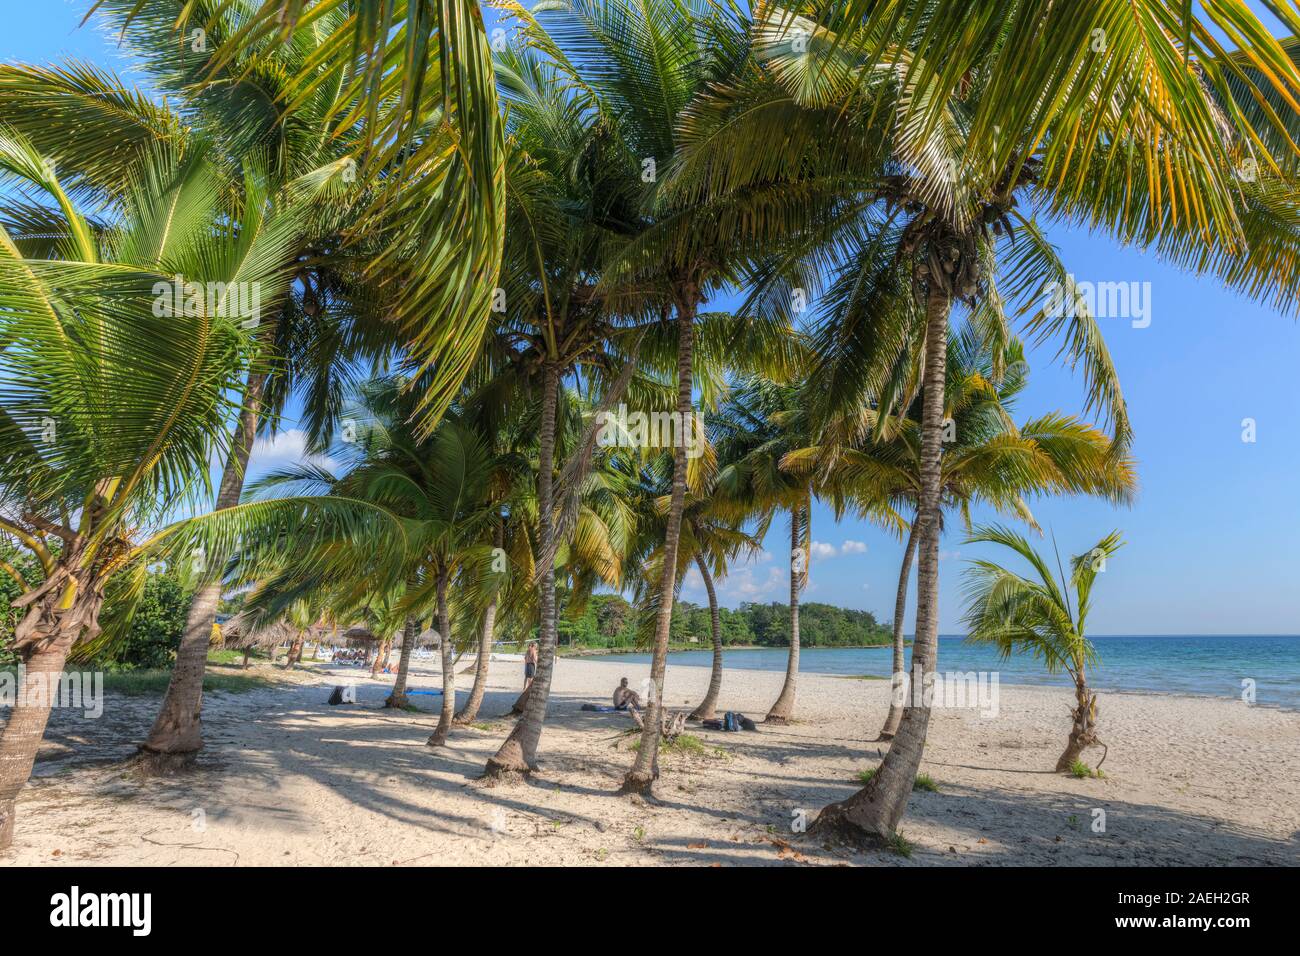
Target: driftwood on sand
(671, 723)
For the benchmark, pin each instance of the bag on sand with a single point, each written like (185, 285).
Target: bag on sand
(336, 697)
(746, 723)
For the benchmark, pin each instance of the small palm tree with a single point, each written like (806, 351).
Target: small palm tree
(987, 459)
(761, 423)
(1037, 615)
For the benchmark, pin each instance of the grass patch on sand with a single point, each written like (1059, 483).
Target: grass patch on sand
(897, 843)
(923, 781)
(685, 744)
(1083, 771)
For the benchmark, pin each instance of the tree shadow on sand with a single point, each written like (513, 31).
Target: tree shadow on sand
(369, 757)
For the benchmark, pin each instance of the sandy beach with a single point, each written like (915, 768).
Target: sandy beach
(286, 779)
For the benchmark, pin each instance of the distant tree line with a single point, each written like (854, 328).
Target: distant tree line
(608, 620)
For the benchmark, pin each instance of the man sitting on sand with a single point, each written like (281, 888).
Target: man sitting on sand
(625, 696)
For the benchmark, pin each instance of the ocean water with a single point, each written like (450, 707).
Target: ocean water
(1203, 665)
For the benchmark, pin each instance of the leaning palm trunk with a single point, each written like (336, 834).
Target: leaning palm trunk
(381, 658)
(439, 737)
(470, 710)
(518, 754)
(47, 633)
(645, 769)
(521, 702)
(295, 652)
(876, 809)
(397, 697)
(1083, 731)
(177, 732)
(782, 711)
(708, 707)
(900, 612)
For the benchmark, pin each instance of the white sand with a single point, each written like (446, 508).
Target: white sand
(287, 779)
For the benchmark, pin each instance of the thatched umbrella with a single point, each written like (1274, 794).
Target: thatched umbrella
(240, 634)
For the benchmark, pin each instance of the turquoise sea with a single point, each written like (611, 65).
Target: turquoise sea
(1203, 665)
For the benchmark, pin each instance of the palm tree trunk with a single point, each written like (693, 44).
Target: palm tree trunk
(25, 729)
(874, 811)
(645, 769)
(782, 711)
(439, 737)
(518, 754)
(247, 651)
(377, 667)
(177, 732)
(1083, 731)
(397, 697)
(900, 612)
(470, 710)
(708, 707)
(295, 652)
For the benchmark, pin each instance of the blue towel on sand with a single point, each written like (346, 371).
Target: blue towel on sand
(603, 710)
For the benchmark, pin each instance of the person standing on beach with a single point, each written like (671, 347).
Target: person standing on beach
(530, 664)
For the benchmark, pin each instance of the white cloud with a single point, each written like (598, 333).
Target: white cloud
(288, 447)
(744, 584)
(821, 550)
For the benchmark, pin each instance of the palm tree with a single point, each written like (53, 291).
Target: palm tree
(711, 539)
(229, 97)
(761, 423)
(987, 459)
(569, 205)
(404, 93)
(487, 632)
(640, 66)
(1020, 615)
(111, 405)
(933, 124)
(302, 616)
(446, 488)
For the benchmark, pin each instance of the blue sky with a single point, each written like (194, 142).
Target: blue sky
(1214, 536)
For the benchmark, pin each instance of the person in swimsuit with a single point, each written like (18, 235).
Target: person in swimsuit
(530, 664)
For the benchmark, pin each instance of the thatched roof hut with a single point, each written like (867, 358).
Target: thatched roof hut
(426, 638)
(239, 634)
(360, 637)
